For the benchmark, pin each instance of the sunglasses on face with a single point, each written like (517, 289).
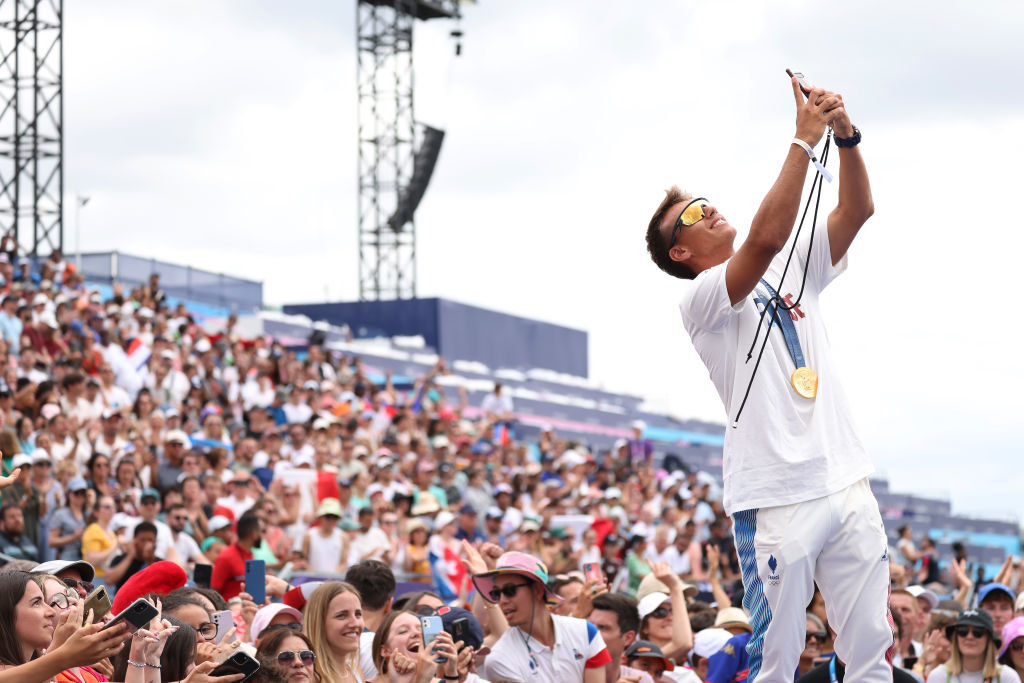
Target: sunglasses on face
(1017, 645)
(75, 583)
(508, 590)
(661, 613)
(964, 631)
(285, 657)
(819, 638)
(691, 213)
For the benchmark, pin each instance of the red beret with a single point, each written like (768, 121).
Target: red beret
(160, 577)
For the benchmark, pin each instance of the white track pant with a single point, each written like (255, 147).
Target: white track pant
(838, 541)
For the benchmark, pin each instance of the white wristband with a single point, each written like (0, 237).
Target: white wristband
(810, 153)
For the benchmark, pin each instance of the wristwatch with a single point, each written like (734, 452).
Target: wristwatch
(851, 141)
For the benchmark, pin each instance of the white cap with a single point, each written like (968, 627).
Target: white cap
(638, 424)
(922, 592)
(612, 492)
(203, 345)
(178, 436)
(218, 522)
(20, 460)
(709, 641)
(40, 455)
(651, 602)
(443, 519)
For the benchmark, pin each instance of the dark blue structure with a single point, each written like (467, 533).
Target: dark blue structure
(460, 332)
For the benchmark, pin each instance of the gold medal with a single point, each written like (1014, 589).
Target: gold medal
(805, 382)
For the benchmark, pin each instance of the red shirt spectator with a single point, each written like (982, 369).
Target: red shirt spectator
(229, 570)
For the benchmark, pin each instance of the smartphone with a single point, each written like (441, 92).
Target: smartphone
(99, 602)
(224, 621)
(256, 580)
(136, 615)
(237, 663)
(592, 570)
(801, 81)
(202, 574)
(432, 627)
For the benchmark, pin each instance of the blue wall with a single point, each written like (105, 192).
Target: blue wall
(461, 332)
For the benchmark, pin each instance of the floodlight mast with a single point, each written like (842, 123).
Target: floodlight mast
(31, 126)
(390, 181)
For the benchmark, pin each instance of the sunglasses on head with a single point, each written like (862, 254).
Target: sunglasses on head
(964, 631)
(75, 583)
(691, 213)
(508, 590)
(288, 656)
(277, 627)
(661, 613)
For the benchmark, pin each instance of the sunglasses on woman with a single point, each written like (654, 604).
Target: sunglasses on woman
(964, 631)
(661, 613)
(819, 638)
(285, 657)
(277, 627)
(1017, 645)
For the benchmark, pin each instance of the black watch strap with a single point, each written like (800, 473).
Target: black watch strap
(851, 141)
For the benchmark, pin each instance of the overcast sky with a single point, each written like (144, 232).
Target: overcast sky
(222, 134)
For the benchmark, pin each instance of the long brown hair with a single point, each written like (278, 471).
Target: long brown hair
(327, 666)
(12, 590)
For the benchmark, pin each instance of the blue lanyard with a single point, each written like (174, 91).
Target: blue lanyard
(832, 669)
(785, 322)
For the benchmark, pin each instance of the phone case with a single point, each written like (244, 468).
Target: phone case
(136, 615)
(224, 621)
(202, 575)
(432, 627)
(237, 663)
(99, 602)
(256, 580)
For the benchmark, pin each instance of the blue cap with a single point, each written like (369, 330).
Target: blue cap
(989, 587)
(473, 634)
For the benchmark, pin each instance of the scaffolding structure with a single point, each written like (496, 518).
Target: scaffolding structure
(388, 143)
(32, 126)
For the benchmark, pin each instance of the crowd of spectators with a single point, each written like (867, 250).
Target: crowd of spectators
(148, 454)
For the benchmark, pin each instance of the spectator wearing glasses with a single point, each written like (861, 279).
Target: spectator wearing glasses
(241, 494)
(184, 545)
(1011, 653)
(76, 574)
(973, 656)
(816, 637)
(61, 598)
(518, 586)
(325, 546)
(288, 657)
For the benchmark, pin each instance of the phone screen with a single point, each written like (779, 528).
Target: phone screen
(256, 580)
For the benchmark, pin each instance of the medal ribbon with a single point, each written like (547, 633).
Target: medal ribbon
(785, 322)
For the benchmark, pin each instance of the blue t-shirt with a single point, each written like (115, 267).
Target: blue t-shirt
(729, 665)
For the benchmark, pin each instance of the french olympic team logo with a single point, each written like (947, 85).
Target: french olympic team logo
(774, 577)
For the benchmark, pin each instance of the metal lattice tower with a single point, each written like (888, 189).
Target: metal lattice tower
(388, 142)
(32, 124)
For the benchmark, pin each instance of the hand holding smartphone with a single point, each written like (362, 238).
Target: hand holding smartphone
(432, 627)
(136, 615)
(237, 663)
(99, 602)
(592, 572)
(801, 80)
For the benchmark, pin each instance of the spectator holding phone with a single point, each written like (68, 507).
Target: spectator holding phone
(401, 656)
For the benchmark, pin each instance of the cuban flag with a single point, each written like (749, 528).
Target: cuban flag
(448, 573)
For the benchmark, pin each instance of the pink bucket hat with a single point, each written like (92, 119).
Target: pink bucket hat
(522, 564)
(1014, 629)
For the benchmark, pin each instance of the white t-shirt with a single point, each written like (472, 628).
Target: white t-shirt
(325, 553)
(578, 646)
(186, 547)
(940, 675)
(785, 448)
(366, 655)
